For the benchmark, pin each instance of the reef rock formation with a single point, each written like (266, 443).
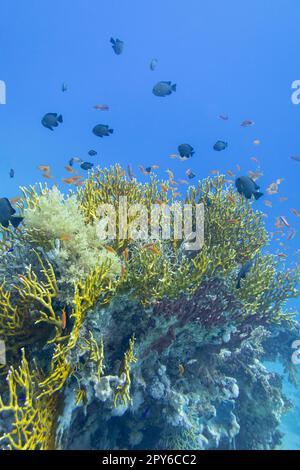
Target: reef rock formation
(127, 344)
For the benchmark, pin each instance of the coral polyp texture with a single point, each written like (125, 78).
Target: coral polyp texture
(125, 343)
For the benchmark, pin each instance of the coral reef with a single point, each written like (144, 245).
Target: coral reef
(122, 343)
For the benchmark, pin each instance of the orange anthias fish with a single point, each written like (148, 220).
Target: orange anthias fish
(126, 254)
(65, 237)
(70, 169)
(63, 319)
(14, 200)
(232, 221)
(181, 370)
(71, 180)
(256, 142)
(255, 174)
(229, 173)
(123, 270)
(44, 168)
(254, 159)
(267, 203)
(110, 249)
(295, 212)
(47, 175)
(153, 248)
(231, 198)
(214, 172)
(238, 167)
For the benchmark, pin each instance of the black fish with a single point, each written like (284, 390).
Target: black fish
(102, 130)
(86, 165)
(92, 153)
(220, 145)
(7, 214)
(185, 150)
(243, 272)
(51, 120)
(247, 187)
(12, 173)
(163, 88)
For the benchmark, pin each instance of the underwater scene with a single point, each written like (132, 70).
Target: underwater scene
(149, 225)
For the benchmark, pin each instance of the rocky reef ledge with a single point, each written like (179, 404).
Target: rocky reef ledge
(134, 344)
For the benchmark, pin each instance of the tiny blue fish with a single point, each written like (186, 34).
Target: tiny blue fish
(153, 64)
(117, 45)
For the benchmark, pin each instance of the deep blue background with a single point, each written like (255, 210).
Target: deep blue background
(237, 58)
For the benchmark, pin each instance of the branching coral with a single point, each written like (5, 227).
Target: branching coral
(41, 293)
(59, 373)
(11, 322)
(190, 297)
(97, 287)
(266, 289)
(96, 354)
(123, 391)
(32, 418)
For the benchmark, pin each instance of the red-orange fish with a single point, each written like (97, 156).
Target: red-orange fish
(70, 169)
(63, 319)
(295, 212)
(44, 168)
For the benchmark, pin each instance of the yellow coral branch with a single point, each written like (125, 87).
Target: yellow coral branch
(123, 391)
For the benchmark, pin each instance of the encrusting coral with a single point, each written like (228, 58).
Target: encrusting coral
(71, 303)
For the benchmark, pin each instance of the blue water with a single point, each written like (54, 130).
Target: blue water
(235, 58)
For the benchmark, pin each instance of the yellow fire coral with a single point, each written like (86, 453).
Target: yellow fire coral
(11, 322)
(123, 391)
(41, 292)
(33, 418)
